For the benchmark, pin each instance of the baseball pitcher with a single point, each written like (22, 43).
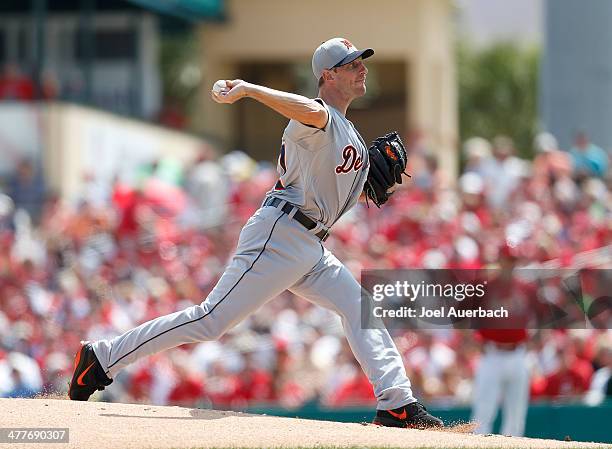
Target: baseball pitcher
(324, 167)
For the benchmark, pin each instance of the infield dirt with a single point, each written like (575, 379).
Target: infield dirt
(101, 425)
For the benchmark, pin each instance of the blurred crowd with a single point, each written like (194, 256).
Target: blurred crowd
(17, 85)
(119, 255)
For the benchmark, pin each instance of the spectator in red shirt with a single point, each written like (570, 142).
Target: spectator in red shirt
(572, 377)
(14, 85)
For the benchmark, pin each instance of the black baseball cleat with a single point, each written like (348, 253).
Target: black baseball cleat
(88, 374)
(413, 416)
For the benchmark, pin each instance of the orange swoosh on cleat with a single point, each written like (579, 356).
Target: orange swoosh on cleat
(77, 358)
(80, 378)
(398, 415)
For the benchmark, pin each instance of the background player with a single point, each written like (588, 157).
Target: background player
(323, 167)
(502, 375)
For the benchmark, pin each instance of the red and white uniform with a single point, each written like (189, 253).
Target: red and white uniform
(502, 375)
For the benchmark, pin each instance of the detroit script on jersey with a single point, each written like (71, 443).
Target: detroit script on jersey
(352, 161)
(322, 171)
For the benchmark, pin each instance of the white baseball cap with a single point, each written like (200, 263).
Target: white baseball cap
(545, 142)
(335, 53)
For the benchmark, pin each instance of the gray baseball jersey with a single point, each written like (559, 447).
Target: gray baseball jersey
(322, 173)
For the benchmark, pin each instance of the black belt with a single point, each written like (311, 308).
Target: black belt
(299, 216)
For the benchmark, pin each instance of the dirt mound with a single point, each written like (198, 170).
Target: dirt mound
(104, 425)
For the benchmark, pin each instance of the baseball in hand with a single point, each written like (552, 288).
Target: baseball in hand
(220, 87)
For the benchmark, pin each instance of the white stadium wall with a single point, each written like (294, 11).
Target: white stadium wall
(70, 140)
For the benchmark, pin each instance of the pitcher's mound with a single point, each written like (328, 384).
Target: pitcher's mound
(103, 425)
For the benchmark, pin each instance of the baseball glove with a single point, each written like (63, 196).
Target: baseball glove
(387, 164)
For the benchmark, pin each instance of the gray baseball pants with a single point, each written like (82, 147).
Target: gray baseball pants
(274, 253)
